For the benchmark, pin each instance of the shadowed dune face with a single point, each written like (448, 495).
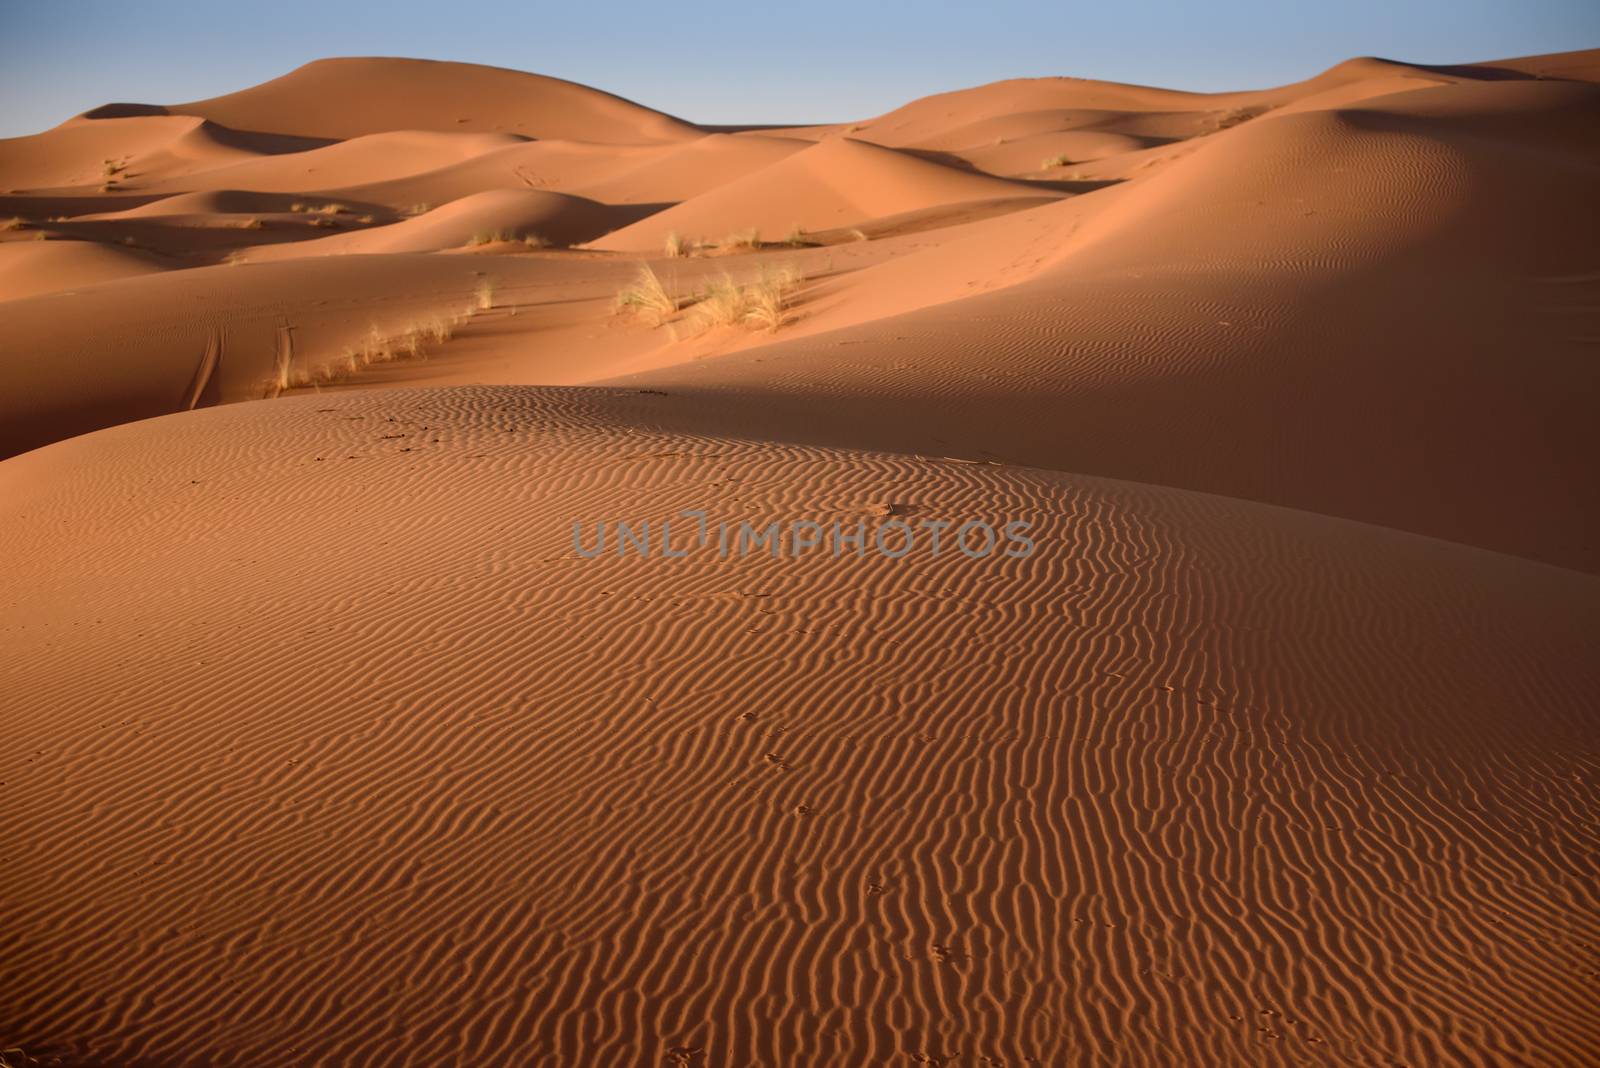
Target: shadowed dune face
(326, 737)
(934, 806)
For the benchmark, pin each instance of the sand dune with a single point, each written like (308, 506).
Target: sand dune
(350, 97)
(838, 182)
(1243, 772)
(84, 151)
(328, 745)
(374, 157)
(1242, 304)
(31, 267)
(495, 214)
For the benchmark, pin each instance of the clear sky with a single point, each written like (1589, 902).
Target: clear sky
(753, 61)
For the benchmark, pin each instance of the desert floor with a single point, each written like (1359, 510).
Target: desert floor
(324, 742)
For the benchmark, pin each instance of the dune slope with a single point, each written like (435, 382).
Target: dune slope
(1279, 787)
(838, 182)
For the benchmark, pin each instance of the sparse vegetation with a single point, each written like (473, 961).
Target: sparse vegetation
(1054, 161)
(767, 300)
(796, 238)
(677, 246)
(409, 342)
(419, 209)
(762, 304)
(721, 304)
(750, 238)
(857, 233)
(535, 241)
(251, 223)
(1235, 116)
(16, 222)
(647, 295)
(483, 295)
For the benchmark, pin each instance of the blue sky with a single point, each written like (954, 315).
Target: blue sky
(806, 61)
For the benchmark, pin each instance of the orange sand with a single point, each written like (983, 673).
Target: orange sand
(325, 746)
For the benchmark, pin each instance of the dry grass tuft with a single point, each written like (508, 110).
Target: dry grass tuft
(377, 347)
(762, 304)
(857, 234)
(16, 222)
(419, 209)
(767, 299)
(678, 246)
(535, 241)
(750, 238)
(1054, 161)
(483, 296)
(251, 223)
(1233, 117)
(647, 295)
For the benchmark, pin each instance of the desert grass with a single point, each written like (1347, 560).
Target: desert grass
(678, 246)
(251, 223)
(1234, 116)
(1054, 161)
(419, 209)
(760, 304)
(410, 342)
(234, 258)
(721, 303)
(796, 238)
(767, 300)
(750, 238)
(535, 241)
(647, 295)
(857, 233)
(16, 222)
(483, 295)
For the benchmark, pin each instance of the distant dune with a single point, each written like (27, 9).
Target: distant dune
(329, 744)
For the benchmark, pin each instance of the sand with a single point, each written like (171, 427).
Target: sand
(326, 744)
